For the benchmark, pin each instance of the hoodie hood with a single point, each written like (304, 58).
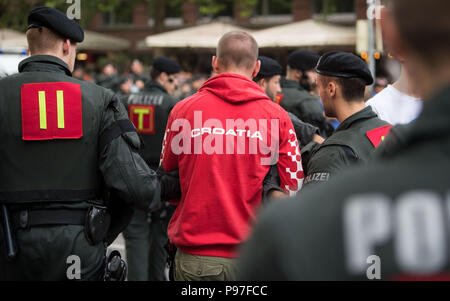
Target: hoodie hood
(234, 88)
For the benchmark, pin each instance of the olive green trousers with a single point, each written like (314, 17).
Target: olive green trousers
(203, 268)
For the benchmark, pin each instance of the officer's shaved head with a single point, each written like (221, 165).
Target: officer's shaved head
(47, 42)
(237, 50)
(43, 40)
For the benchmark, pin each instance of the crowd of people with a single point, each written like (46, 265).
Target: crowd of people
(243, 174)
(134, 79)
(330, 130)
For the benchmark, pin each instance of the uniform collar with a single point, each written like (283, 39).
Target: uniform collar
(365, 113)
(46, 63)
(287, 83)
(154, 84)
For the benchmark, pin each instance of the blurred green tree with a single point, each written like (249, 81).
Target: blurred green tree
(327, 7)
(215, 8)
(13, 14)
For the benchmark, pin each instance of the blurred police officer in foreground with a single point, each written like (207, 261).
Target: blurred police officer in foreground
(149, 112)
(342, 79)
(296, 98)
(66, 146)
(387, 220)
(268, 79)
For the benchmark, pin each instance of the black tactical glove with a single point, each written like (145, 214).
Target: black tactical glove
(170, 184)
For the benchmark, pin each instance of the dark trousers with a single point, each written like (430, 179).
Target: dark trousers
(146, 245)
(137, 246)
(43, 254)
(158, 243)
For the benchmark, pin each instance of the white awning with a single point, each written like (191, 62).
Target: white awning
(12, 41)
(6, 34)
(100, 41)
(201, 36)
(309, 33)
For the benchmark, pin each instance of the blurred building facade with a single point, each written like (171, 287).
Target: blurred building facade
(142, 19)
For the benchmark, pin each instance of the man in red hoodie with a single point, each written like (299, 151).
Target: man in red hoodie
(224, 140)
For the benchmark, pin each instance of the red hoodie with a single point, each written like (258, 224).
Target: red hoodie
(217, 138)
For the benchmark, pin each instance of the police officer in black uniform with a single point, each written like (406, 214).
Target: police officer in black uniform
(342, 78)
(149, 112)
(140, 78)
(296, 98)
(268, 78)
(108, 78)
(69, 164)
(387, 220)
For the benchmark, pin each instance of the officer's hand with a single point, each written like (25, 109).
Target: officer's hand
(318, 139)
(170, 184)
(276, 195)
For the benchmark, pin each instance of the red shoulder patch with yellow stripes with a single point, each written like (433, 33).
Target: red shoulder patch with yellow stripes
(279, 98)
(376, 136)
(51, 111)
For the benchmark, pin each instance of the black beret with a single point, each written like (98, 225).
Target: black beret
(164, 64)
(269, 67)
(345, 65)
(303, 59)
(123, 79)
(56, 21)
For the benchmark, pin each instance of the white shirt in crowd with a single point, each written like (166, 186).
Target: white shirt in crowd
(395, 107)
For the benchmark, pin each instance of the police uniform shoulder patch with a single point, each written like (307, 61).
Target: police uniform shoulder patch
(376, 136)
(143, 118)
(51, 111)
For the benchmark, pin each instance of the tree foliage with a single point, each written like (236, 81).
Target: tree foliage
(214, 8)
(333, 6)
(13, 14)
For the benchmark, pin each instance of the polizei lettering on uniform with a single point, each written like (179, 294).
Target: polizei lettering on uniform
(416, 223)
(235, 137)
(145, 99)
(317, 177)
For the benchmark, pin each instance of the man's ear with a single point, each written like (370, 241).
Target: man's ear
(66, 47)
(332, 89)
(262, 83)
(256, 69)
(163, 77)
(215, 64)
